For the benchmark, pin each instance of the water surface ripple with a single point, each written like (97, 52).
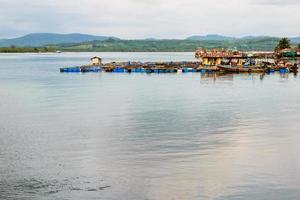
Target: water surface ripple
(138, 136)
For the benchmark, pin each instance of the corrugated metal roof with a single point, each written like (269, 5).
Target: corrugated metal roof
(219, 53)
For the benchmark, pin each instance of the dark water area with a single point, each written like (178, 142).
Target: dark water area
(145, 136)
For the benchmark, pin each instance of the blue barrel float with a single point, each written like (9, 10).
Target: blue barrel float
(136, 70)
(185, 70)
(284, 70)
(91, 69)
(271, 70)
(80, 69)
(70, 69)
(139, 70)
(203, 71)
(119, 70)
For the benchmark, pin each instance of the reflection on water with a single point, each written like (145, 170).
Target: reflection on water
(227, 77)
(213, 77)
(139, 136)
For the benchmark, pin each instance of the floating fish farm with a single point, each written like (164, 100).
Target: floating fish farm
(210, 61)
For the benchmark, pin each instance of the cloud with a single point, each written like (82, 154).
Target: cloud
(150, 18)
(277, 2)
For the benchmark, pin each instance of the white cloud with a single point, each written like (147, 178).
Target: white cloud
(277, 2)
(151, 18)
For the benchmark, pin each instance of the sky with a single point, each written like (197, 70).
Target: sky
(137, 19)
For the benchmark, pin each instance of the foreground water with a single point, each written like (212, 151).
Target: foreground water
(138, 136)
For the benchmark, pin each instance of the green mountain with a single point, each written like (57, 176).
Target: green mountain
(295, 39)
(81, 42)
(211, 37)
(215, 37)
(112, 45)
(41, 39)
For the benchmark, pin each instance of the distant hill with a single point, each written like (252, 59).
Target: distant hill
(226, 38)
(43, 39)
(40, 39)
(250, 37)
(211, 37)
(258, 44)
(82, 42)
(295, 39)
(215, 37)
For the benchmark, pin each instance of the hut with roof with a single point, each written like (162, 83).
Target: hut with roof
(96, 60)
(216, 57)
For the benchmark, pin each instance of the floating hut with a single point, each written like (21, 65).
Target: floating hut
(96, 60)
(95, 66)
(216, 57)
(255, 62)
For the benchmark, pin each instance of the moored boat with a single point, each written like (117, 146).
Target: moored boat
(238, 69)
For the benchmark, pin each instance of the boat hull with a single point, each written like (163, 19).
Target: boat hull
(230, 69)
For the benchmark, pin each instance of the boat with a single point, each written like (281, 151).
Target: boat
(240, 69)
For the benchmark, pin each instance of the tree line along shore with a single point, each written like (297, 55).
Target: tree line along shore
(14, 49)
(112, 45)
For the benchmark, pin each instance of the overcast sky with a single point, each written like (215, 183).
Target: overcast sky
(151, 18)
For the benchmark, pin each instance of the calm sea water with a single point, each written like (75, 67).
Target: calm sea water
(138, 136)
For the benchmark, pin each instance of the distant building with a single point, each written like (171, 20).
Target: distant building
(96, 60)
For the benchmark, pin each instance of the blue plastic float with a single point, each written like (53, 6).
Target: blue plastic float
(119, 70)
(284, 70)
